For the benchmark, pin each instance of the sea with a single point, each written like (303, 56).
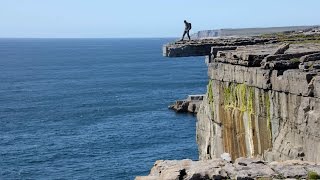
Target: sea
(93, 108)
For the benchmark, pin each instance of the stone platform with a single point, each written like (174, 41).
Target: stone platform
(242, 168)
(203, 47)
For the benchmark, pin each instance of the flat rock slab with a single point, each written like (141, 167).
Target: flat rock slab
(305, 47)
(287, 56)
(243, 168)
(202, 47)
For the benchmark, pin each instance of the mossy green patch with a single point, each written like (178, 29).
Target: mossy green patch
(239, 96)
(295, 60)
(210, 97)
(250, 101)
(209, 92)
(313, 175)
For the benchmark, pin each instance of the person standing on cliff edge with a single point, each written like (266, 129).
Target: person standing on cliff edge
(186, 29)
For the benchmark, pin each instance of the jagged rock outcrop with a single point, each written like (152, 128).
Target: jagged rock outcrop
(189, 105)
(243, 168)
(203, 47)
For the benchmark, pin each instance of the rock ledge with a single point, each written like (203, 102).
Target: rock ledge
(242, 168)
(189, 105)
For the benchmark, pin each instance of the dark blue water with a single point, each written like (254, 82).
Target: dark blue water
(93, 108)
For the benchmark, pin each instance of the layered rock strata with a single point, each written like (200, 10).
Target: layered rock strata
(242, 168)
(262, 100)
(203, 47)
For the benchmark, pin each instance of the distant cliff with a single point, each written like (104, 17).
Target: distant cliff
(246, 31)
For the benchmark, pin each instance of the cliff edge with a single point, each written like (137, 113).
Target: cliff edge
(262, 100)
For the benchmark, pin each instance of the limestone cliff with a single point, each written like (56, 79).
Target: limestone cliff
(262, 101)
(259, 103)
(263, 95)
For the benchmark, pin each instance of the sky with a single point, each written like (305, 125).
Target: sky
(146, 18)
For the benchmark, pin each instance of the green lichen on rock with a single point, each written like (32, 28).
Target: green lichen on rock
(209, 92)
(250, 100)
(295, 60)
(239, 96)
(228, 95)
(313, 175)
(210, 97)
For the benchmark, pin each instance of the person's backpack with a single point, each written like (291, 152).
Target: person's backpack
(190, 26)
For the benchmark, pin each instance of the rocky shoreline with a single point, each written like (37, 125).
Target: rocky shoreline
(189, 105)
(242, 168)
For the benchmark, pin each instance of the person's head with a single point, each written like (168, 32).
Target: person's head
(185, 21)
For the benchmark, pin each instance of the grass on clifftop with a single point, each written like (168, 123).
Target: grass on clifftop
(294, 37)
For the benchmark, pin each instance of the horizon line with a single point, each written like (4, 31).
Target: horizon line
(150, 37)
(87, 37)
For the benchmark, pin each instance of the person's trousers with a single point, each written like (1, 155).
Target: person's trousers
(186, 32)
